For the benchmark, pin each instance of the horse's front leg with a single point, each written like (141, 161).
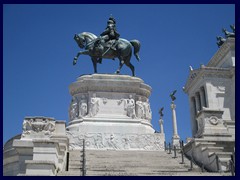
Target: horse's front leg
(78, 54)
(94, 61)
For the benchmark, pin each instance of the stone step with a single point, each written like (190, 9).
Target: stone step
(221, 154)
(160, 173)
(131, 163)
(70, 173)
(214, 149)
(75, 160)
(75, 166)
(205, 143)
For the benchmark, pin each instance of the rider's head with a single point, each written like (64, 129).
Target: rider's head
(111, 20)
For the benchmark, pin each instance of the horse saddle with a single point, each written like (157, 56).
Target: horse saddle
(109, 44)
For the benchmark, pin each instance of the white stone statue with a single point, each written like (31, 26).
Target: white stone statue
(130, 107)
(147, 110)
(83, 107)
(73, 111)
(140, 113)
(94, 105)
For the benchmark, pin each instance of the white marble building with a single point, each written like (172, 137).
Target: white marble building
(211, 92)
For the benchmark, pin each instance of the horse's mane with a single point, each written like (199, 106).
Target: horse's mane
(90, 35)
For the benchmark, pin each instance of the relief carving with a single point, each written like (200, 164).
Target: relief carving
(213, 120)
(147, 110)
(117, 141)
(38, 126)
(73, 110)
(94, 105)
(140, 111)
(129, 106)
(83, 107)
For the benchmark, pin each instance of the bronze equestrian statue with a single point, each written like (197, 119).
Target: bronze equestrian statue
(108, 46)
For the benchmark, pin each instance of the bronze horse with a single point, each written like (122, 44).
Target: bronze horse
(123, 50)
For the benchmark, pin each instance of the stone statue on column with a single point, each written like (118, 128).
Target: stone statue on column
(161, 120)
(175, 137)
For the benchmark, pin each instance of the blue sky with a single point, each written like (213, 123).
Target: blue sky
(38, 50)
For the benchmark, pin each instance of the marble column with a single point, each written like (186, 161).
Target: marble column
(198, 103)
(175, 137)
(202, 97)
(161, 125)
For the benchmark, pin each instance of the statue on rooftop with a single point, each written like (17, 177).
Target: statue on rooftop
(221, 40)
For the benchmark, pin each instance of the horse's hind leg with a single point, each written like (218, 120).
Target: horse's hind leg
(128, 64)
(132, 68)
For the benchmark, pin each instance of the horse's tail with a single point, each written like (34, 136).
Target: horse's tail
(136, 45)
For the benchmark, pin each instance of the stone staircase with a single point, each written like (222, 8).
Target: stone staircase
(75, 164)
(131, 163)
(206, 152)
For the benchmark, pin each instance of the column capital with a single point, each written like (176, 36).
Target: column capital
(173, 106)
(161, 121)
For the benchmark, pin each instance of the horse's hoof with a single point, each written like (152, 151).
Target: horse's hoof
(74, 62)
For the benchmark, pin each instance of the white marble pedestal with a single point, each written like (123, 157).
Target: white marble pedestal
(111, 112)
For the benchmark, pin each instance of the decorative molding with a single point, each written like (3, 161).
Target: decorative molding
(223, 50)
(213, 120)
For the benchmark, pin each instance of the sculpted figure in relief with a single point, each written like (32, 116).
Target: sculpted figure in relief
(147, 110)
(130, 107)
(140, 109)
(73, 112)
(83, 107)
(49, 128)
(27, 127)
(112, 142)
(94, 105)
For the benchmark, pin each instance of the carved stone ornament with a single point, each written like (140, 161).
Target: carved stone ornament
(213, 120)
(38, 125)
(130, 107)
(94, 105)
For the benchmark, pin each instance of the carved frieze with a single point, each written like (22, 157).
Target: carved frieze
(117, 141)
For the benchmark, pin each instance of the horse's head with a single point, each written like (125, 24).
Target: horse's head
(80, 40)
(84, 38)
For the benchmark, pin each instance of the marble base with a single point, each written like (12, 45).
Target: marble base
(109, 105)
